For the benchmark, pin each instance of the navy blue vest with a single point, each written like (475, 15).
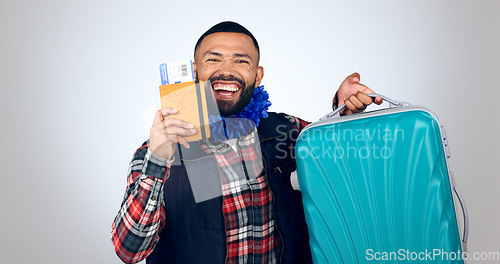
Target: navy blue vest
(195, 232)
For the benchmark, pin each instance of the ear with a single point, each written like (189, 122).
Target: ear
(194, 70)
(260, 75)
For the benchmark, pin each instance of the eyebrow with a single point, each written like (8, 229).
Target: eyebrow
(243, 55)
(238, 55)
(212, 53)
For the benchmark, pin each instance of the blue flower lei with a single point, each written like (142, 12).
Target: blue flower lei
(242, 123)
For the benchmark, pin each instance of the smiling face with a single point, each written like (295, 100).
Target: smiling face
(231, 62)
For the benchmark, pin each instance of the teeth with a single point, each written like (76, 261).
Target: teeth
(230, 88)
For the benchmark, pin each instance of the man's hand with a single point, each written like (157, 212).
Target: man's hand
(167, 131)
(353, 95)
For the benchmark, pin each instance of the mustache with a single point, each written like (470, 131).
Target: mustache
(227, 78)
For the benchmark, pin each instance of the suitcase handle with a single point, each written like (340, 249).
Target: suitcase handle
(466, 219)
(465, 233)
(392, 103)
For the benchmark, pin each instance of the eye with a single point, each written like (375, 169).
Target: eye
(212, 59)
(242, 61)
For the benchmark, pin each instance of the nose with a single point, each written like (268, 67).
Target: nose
(226, 68)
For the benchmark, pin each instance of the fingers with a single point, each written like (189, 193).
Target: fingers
(168, 111)
(178, 131)
(170, 129)
(354, 105)
(349, 86)
(172, 134)
(158, 118)
(378, 100)
(366, 90)
(353, 95)
(182, 141)
(172, 126)
(168, 122)
(354, 78)
(359, 101)
(355, 102)
(362, 98)
(176, 139)
(162, 113)
(349, 106)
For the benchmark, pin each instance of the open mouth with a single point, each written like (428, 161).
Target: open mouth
(225, 89)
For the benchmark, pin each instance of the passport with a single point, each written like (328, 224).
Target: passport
(192, 100)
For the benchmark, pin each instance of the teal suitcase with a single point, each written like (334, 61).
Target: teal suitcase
(376, 187)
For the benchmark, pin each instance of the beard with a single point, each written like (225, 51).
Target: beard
(227, 108)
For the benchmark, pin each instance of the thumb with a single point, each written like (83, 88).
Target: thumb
(354, 78)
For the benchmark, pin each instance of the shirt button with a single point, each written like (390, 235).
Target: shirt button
(258, 243)
(153, 198)
(163, 169)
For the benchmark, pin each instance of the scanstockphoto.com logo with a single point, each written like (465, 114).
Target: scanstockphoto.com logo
(360, 143)
(429, 255)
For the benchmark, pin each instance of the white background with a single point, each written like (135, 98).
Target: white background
(79, 80)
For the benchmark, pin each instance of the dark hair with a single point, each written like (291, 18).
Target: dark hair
(227, 26)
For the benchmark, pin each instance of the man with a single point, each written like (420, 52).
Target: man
(258, 218)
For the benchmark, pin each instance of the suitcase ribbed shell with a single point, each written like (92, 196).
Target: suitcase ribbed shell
(377, 182)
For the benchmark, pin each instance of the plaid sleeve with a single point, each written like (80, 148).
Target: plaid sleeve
(137, 225)
(335, 101)
(299, 124)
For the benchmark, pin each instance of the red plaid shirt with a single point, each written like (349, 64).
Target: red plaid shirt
(247, 205)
